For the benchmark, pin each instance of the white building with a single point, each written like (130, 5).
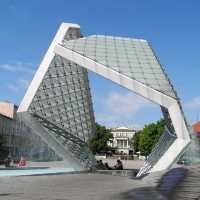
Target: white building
(121, 139)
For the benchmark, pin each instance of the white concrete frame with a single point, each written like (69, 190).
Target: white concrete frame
(183, 136)
(44, 65)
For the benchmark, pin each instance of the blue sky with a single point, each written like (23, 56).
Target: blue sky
(172, 27)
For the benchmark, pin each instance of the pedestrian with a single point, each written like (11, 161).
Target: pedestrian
(119, 165)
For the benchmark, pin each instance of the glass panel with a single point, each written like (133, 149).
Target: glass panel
(58, 94)
(132, 57)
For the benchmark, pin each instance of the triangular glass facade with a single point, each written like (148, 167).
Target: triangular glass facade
(63, 98)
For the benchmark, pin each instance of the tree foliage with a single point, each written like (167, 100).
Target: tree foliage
(146, 139)
(98, 143)
(135, 141)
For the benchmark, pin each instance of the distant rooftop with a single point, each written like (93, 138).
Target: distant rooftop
(7, 109)
(196, 127)
(123, 128)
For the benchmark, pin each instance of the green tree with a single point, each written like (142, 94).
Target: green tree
(98, 143)
(148, 137)
(135, 141)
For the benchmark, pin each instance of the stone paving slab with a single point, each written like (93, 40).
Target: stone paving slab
(189, 186)
(179, 183)
(68, 187)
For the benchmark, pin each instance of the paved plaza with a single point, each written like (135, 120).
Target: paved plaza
(178, 183)
(68, 187)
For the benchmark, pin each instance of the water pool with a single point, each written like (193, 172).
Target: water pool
(33, 171)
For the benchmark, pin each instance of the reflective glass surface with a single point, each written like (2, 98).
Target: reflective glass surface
(21, 141)
(131, 57)
(63, 98)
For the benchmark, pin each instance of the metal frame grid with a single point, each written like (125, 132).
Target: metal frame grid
(64, 98)
(131, 57)
(84, 52)
(130, 63)
(60, 94)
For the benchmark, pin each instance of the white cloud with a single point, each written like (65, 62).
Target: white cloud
(120, 109)
(127, 104)
(194, 103)
(21, 84)
(18, 67)
(111, 121)
(24, 83)
(13, 87)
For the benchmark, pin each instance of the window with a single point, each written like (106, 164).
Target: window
(125, 143)
(120, 143)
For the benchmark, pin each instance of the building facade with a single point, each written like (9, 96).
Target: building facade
(196, 128)
(8, 131)
(121, 141)
(18, 139)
